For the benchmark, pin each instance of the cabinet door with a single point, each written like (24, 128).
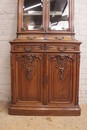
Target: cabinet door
(28, 78)
(59, 15)
(61, 78)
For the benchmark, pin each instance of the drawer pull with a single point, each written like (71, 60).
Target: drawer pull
(62, 50)
(27, 49)
(59, 38)
(31, 38)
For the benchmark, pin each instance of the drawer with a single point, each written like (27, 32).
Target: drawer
(26, 48)
(64, 48)
(45, 48)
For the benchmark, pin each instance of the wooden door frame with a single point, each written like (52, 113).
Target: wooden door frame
(20, 28)
(71, 18)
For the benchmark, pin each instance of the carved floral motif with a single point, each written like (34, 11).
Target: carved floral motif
(28, 72)
(45, 47)
(63, 49)
(62, 63)
(28, 59)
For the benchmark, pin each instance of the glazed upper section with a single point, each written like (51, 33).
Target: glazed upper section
(45, 16)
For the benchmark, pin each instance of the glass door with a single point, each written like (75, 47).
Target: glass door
(45, 15)
(58, 15)
(33, 15)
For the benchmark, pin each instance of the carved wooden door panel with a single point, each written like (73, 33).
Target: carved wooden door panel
(29, 71)
(61, 78)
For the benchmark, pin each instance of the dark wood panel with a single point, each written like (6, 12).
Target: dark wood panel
(61, 77)
(29, 71)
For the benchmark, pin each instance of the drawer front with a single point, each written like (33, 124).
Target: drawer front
(64, 48)
(45, 48)
(26, 48)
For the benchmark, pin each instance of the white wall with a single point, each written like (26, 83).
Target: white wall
(8, 26)
(81, 34)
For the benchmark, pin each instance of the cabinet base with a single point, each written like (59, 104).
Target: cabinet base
(45, 111)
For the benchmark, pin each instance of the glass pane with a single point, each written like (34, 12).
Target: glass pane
(32, 14)
(59, 14)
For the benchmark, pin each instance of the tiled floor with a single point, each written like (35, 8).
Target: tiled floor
(8, 122)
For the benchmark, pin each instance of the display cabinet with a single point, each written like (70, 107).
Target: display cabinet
(45, 59)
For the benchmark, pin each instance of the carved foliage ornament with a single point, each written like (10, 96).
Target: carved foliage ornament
(45, 47)
(62, 63)
(28, 60)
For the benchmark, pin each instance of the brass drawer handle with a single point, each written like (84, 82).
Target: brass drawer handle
(27, 49)
(62, 50)
(59, 38)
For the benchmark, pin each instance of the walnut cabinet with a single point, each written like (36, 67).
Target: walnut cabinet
(45, 59)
